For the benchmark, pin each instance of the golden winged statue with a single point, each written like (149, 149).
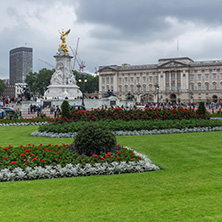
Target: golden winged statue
(63, 36)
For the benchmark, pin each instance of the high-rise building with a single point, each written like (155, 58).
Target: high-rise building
(20, 64)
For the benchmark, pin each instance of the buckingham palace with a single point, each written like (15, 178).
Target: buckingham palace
(172, 79)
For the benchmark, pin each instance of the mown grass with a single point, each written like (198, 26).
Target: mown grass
(187, 189)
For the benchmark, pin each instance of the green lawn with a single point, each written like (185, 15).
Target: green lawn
(189, 188)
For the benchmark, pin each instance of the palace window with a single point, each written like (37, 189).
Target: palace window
(214, 86)
(126, 89)
(120, 80)
(120, 88)
(111, 80)
(138, 79)
(206, 76)
(157, 78)
(150, 88)
(107, 80)
(207, 86)
(125, 79)
(144, 88)
(192, 87)
(131, 79)
(132, 88)
(199, 77)
(144, 79)
(150, 78)
(103, 80)
(199, 87)
(191, 77)
(214, 76)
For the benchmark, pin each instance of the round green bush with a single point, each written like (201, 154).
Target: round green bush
(94, 138)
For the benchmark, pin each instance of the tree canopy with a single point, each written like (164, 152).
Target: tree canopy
(92, 84)
(38, 82)
(2, 87)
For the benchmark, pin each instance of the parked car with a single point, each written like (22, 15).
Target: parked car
(78, 107)
(2, 113)
(8, 110)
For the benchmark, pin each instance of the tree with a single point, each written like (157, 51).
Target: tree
(65, 109)
(92, 84)
(2, 87)
(38, 82)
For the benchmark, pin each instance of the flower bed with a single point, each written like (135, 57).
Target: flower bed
(134, 114)
(136, 125)
(39, 162)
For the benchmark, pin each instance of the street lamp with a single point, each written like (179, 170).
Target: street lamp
(138, 90)
(83, 81)
(157, 91)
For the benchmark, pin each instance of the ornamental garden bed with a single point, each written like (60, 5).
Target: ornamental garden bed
(68, 129)
(53, 161)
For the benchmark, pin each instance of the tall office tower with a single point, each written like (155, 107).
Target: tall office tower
(20, 64)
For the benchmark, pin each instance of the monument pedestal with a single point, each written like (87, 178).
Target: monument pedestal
(63, 82)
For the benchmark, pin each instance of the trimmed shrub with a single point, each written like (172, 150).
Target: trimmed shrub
(201, 110)
(65, 109)
(93, 139)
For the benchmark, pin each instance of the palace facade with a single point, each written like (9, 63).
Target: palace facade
(174, 79)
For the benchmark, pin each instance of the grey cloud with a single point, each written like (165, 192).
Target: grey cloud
(136, 19)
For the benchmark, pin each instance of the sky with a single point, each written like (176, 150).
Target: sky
(111, 32)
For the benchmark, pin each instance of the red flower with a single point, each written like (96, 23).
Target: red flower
(93, 155)
(22, 154)
(34, 159)
(132, 153)
(43, 160)
(6, 157)
(31, 154)
(102, 158)
(139, 157)
(26, 161)
(21, 145)
(117, 158)
(14, 162)
(108, 153)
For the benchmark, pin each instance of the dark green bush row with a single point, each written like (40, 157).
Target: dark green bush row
(137, 125)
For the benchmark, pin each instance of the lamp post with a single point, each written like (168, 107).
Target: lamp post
(138, 90)
(157, 91)
(83, 81)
